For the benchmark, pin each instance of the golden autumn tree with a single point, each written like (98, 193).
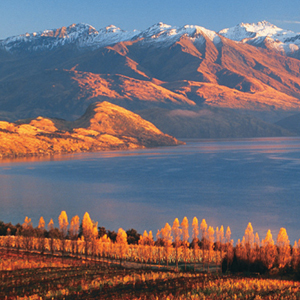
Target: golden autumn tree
(295, 255)
(167, 239)
(249, 243)
(146, 243)
(195, 227)
(242, 252)
(150, 244)
(88, 232)
(210, 244)
(185, 239)
(229, 246)
(122, 244)
(217, 245)
(41, 235)
(203, 229)
(256, 252)
(63, 228)
(41, 223)
(142, 247)
(95, 250)
(63, 223)
(159, 246)
(73, 231)
(220, 240)
(177, 232)
(105, 243)
(52, 235)
(27, 231)
(268, 251)
(238, 248)
(284, 250)
(228, 235)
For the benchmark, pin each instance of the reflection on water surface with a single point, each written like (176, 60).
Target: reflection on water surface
(227, 182)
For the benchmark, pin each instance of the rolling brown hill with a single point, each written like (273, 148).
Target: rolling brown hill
(192, 72)
(104, 126)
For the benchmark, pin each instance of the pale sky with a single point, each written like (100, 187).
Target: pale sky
(21, 16)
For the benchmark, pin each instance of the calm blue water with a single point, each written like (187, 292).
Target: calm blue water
(227, 182)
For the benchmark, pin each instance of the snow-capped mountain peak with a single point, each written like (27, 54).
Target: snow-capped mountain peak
(112, 28)
(262, 33)
(253, 30)
(156, 30)
(47, 39)
(165, 35)
(82, 36)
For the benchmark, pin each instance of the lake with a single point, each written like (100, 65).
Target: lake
(227, 182)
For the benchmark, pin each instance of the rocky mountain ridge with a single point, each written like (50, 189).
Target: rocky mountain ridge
(160, 35)
(189, 71)
(265, 34)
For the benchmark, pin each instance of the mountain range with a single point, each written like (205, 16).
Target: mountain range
(188, 81)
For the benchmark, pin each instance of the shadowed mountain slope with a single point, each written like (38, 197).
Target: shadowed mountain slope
(211, 122)
(291, 123)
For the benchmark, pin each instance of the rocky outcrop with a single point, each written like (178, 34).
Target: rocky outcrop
(104, 126)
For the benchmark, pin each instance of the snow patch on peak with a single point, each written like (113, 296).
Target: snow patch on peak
(263, 33)
(107, 36)
(254, 33)
(161, 25)
(156, 30)
(200, 31)
(83, 35)
(47, 39)
(165, 35)
(254, 30)
(112, 28)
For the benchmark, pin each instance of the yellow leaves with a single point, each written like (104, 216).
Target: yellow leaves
(150, 236)
(283, 245)
(268, 239)
(257, 240)
(146, 239)
(27, 223)
(51, 225)
(166, 234)
(249, 235)
(228, 236)
(74, 226)
(121, 236)
(41, 223)
(203, 227)
(63, 223)
(195, 228)
(145, 235)
(185, 229)
(211, 233)
(122, 245)
(176, 231)
(282, 238)
(87, 226)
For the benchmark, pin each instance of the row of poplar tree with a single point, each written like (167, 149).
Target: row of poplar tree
(208, 247)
